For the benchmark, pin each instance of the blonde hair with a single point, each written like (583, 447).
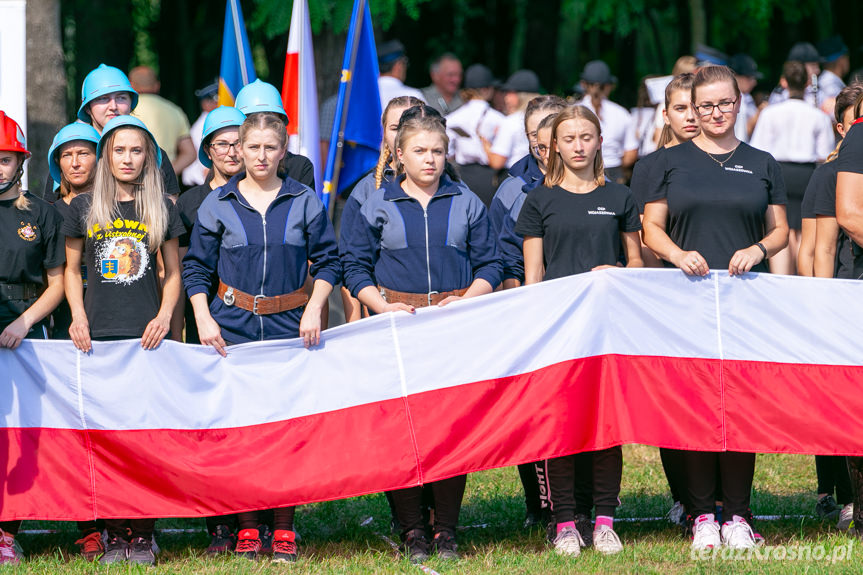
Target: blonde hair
(555, 171)
(683, 82)
(149, 191)
(21, 202)
(387, 155)
(417, 119)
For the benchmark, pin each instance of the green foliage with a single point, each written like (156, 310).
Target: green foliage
(145, 15)
(273, 17)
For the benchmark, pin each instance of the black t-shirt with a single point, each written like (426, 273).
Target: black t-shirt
(851, 160)
(579, 231)
(187, 206)
(716, 210)
(30, 243)
(822, 189)
(123, 292)
(299, 168)
(641, 177)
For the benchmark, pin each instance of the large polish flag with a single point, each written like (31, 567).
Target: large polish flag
(759, 363)
(300, 91)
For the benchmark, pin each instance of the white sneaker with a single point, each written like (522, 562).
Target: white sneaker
(568, 542)
(676, 513)
(845, 517)
(738, 534)
(705, 533)
(606, 541)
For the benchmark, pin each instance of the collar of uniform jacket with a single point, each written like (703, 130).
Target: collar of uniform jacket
(290, 187)
(393, 190)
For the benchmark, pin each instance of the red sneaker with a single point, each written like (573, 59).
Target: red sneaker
(284, 546)
(92, 546)
(248, 544)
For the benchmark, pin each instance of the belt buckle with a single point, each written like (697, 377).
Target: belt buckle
(255, 305)
(430, 294)
(228, 298)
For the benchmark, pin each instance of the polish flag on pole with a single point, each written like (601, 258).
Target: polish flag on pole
(300, 90)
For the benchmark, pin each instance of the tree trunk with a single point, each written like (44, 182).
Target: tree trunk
(698, 23)
(46, 85)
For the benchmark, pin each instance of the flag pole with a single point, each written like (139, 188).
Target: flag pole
(340, 142)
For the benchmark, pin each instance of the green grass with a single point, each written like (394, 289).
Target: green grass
(334, 541)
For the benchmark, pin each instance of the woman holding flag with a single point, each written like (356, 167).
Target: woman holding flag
(716, 203)
(423, 239)
(258, 233)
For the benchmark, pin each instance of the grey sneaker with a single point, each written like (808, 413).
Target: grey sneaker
(445, 545)
(416, 546)
(568, 542)
(827, 509)
(141, 551)
(606, 541)
(846, 516)
(116, 551)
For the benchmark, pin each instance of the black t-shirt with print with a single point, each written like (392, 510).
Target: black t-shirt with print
(123, 292)
(30, 243)
(579, 231)
(713, 209)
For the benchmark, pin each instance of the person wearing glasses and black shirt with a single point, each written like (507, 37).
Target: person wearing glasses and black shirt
(715, 202)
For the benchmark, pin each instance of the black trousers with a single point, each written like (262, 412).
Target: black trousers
(129, 529)
(674, 466)
(855, 471)
(570, 491)
(448, 495)
(282, 519)
(530, 483)
(832, 474)
(735, 470)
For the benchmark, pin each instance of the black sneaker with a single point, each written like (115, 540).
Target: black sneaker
(141, 551)
(222, 541)
(531, 520)
(585, 528)
(416, 546)
(116, 551)
(827, 509)
(445, 545)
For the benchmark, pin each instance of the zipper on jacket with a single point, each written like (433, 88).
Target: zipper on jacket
(264, 273)
(428, 259)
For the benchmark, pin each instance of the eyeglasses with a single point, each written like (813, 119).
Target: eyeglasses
(222, 148)
(725, 107)
(540, 149)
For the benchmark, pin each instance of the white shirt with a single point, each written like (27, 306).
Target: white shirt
(748, 108)
(511, 141)
(644, 119)
(393, 88)
(829, 85)
(780, 95)
(794, 131)
(193, 175)
(477, 118)
(618, 131)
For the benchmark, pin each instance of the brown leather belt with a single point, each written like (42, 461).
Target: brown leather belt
(260, 304)
(418, 299)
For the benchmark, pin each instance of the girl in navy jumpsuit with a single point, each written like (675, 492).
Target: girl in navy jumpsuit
(257, 233)
(423, 239)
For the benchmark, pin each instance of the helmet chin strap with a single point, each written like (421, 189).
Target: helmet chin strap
(14, 181)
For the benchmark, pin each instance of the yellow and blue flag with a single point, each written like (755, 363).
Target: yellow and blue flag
(357, 130)
(237, 68)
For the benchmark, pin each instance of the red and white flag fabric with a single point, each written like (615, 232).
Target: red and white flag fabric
(760, 363)
(300, 91)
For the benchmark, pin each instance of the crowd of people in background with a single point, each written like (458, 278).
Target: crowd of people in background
(481, 185)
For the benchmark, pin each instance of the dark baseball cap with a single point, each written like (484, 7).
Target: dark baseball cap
(208, 91)
(832, 48)
(522, 81)
(390, 51)
(803, 52)
(597, 72)
(708, 55)
(478, 76)
(744, 65)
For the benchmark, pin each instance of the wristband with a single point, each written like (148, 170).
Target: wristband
(762, 248)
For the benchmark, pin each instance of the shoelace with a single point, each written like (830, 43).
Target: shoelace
(246, 545)
(605, 536)
(741, 529)
(92, 542)
(287, 547)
